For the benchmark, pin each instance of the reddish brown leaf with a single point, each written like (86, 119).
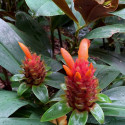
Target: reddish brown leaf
(92, 10)
(64, 7)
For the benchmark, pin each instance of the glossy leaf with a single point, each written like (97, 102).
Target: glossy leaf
(78, 118)
(54, 80)
(42, 7)
(115, 60)
(120, 13)
(33, 34)
(97, 112)
(57, 110)
(64, 6)
(41, 93)
(9, 52)
(17, 77)
(93, 10)
(104, 98)
(117, 93)
(55, 65)
(22, 121)
(106, 75)
(117, 107)
(106, 31)
(22, 88)
(9, 103)
(121, 1)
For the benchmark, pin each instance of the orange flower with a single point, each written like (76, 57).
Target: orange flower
(60, 121)
(33, 67)
(82, 86)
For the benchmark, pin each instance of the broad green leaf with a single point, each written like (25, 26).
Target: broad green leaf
(106, 75)
(115, 60)
(117, 93)
(55, 65)
(117, 107)
(17, 77)
(22, 88)
(78, 118)
(121, 1)
(119, 13)
(22, 121)
(34, 35)
(9, 48)
(103, 98)
(97, 112)
(57, 110)
(54, 80)
(44, 7)
(58, 21)
(106, 31)
(9, 103)
(41, 93)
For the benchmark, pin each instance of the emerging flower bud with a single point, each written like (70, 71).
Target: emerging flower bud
(33, 67)
(82, 86)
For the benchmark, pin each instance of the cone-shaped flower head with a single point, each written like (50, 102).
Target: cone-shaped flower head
(33, 67)
(82, 86)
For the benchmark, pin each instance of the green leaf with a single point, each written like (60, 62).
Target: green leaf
(57, 110)
(9, 48)
(42, 7)
(41, 93)
(117, 93)
(22, 88)
(106, 74)
(22, 121)
(97, 112)
(54, 80)
(121, 1)
(106, 31)
(104, 98)
(78, 118)
(9, 103)
(58, 21)
(115, 60)
(33, 34)
(55, 65)
(17, 77)
(120, 13)
(117, 107)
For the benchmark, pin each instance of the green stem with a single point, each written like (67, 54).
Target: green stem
(79, 28)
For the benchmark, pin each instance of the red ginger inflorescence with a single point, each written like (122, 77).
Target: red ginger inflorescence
(33, 67)
(82, 85)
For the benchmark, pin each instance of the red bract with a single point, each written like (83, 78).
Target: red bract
(34, 68)
(82, 85)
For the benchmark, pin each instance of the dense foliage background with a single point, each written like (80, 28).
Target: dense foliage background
(44, 28)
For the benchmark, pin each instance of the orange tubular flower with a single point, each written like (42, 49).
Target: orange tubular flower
(82, 86)
(33, 67)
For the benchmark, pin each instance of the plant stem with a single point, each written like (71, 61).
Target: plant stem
(7, 83)
(79, 28)
(60, 38)
(52, 40)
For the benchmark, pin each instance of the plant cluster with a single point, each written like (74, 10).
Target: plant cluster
(62, 62)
